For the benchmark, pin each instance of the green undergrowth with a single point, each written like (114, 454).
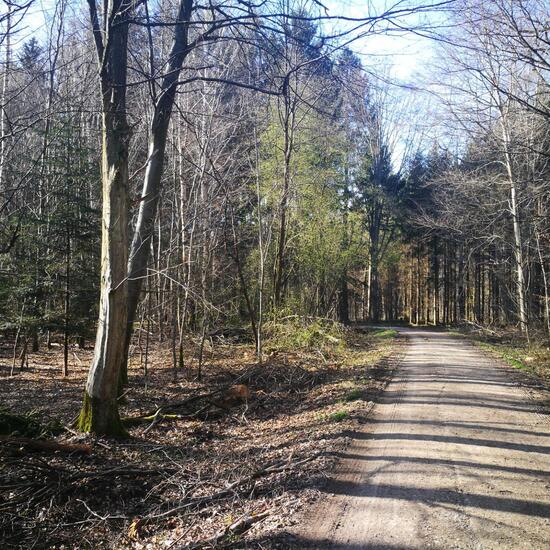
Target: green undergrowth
(352, 355)
(384, 333)
(510, 355)
(305, 334)
(338, 416)
(533, 358)
(319, 334)
(354, 395)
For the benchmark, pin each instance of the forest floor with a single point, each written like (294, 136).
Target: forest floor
(213, 474)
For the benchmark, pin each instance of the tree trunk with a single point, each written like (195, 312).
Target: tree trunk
(436, 282)
(546, 296)
(3, 98)
(514, 212)
(99, 412)
(281, 246)
(343, 302)
(152, 185)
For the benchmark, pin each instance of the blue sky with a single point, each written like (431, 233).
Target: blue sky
(403, 53)
(400, 57)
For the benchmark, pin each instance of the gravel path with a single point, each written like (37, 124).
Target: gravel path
(456, 454)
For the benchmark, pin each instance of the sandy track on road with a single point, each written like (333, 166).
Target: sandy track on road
(456, 454)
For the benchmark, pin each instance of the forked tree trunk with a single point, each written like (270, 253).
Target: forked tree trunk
(99, 412)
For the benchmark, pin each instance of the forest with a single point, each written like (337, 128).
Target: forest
(214, 219)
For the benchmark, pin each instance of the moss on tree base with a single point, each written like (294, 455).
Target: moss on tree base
(100, 417)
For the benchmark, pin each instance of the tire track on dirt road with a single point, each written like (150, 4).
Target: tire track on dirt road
(455, 454)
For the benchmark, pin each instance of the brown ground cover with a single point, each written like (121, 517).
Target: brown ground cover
(207, 475)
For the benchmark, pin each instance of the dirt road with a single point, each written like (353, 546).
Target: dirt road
(455, 455)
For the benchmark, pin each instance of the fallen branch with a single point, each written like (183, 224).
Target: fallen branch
(480, 327)
(164, 409)
(158, 417)
(46, 445)
(152, 419)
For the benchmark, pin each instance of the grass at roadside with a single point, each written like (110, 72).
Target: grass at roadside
(383, 333)
(532, 357)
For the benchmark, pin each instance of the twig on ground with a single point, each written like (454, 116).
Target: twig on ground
(236, 528)
(96, 515)
(157, 417)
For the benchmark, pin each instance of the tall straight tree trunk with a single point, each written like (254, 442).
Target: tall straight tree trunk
(99, 412)
(546, 296)
(374, 281)
(365, 294)
(261, 251)
(514, 212)
(461, 297)
(411, 284)
(436, 281)
(343, 295)
(4, 95)
(281, 244)
(280, 260)
(518, 258)
(420, 287)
